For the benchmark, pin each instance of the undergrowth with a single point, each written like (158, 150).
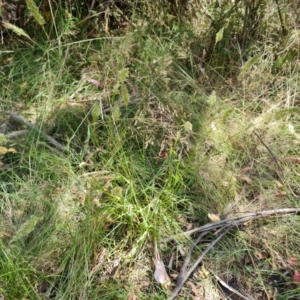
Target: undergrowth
(163, 133)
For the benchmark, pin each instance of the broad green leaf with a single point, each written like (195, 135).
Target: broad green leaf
(219, 35)
(250, 62)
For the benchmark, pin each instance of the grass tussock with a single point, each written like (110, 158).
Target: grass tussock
(168, 124)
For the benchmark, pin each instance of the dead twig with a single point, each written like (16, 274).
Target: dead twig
(15, 134)
(21, 120)
(269, 150)
(228, 224)
(235, 221)
(188, 257)
(278, 164)
(182, 280)
(226, 286)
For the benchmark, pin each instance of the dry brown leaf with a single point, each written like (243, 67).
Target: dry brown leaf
(163, 154)
(247, 179)
(132, 295)
(281, 260)
(281, 195)
(95, 82)
(245, 170)
(292, 159)
(279, 185)
(189, 226)
(214, 217)
(273, 232)
(293, 261)
(193, 287)
(3, 166)
(296, 277)
(174, 276)
(143, 284)
(259, 255)
(247, 260)
(160, 273)
(265, 101)
(171, 261)
(99, 261)
(97, 202)
(20, 104)
(182, 221)
(4, 150)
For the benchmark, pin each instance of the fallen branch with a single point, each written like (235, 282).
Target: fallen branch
(228, 224)
(15, 134)
(21, 120)
(235, 221)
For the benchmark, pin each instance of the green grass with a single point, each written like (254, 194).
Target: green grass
(87, 223)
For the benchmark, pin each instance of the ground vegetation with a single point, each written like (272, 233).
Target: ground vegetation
(149, 149)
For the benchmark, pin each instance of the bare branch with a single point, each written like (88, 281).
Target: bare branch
(21, 120)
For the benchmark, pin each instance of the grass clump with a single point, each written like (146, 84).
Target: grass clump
(163, 133)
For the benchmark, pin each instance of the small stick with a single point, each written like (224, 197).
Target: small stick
(181, 282)
(188, 257)
(271, 153)
(231, 289)
(277, 162)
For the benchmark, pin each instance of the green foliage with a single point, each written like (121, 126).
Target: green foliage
(26, 228)
(35, 12)
(171, 111)
(250, 63)
(219, 35)
(16, 30)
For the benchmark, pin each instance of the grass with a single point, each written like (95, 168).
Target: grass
(87, 223)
